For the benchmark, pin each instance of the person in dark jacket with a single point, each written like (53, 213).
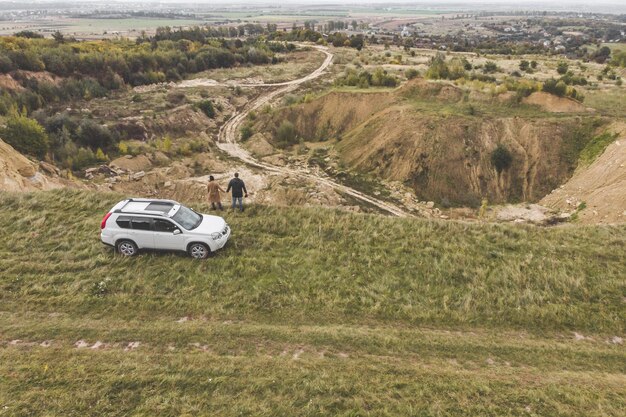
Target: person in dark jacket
(239, 190)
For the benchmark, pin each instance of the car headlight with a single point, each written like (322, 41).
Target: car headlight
(216, 235)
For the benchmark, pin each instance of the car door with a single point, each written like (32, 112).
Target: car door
(142, 234)
(167, 235)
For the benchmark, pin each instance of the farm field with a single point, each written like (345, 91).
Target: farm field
(309, 312)
(99, 26)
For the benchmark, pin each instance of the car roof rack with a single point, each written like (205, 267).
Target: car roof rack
(142, 213)
(151, 200)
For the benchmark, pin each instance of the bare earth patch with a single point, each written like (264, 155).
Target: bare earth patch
(556, 104)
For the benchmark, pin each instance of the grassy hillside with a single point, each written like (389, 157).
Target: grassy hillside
(309, 312)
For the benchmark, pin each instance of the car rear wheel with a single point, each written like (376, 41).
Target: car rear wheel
(127, 248)
(198, 250)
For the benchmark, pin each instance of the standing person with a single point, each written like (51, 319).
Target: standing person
(239, 188)
(213, 189)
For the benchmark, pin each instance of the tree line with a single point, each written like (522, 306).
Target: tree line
(73, 70)
(93, 68)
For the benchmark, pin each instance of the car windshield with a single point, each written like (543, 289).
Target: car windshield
(187, 218)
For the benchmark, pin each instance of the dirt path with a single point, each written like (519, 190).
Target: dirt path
(229, 134)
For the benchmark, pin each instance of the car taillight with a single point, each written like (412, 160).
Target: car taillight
(104, 221)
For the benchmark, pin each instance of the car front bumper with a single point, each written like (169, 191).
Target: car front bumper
(219, 243)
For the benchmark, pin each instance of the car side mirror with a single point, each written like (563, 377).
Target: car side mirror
(176, 232)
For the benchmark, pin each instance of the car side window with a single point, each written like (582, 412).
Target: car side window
(161, 225)
(141, 223)
(123, 222)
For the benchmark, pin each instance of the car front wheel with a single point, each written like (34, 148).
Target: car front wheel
(127, 248)
(198, 250)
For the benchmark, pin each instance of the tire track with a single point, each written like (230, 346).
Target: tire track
(229, 133)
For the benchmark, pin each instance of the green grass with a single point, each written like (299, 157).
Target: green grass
(596, 147)
(309, 312)
(611, 102)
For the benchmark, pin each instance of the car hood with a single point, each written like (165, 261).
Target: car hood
(210, 224)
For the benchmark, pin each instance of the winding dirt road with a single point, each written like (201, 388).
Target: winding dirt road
(229, 134)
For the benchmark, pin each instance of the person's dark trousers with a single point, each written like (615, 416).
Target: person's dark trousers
(238, 200)
(219, 206)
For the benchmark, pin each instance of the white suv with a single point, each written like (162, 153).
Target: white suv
(162, 224)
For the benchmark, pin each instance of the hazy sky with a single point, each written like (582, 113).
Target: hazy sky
(605, 6)
(547, 3)
(613, 6)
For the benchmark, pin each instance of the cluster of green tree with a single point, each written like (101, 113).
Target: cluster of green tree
(440, 69)
(457, 67)
(570, 79)
(559, 88)
(609, 72)
(73, 142)
(338, 39)
(600, 55)
(297, 35)
(528, 66)
(91, 69)
(496, 47)
(338, 25)
(205, 33)
(37, 94)
(522, 87)
(365, 79)
(568, 76)
(29, 34)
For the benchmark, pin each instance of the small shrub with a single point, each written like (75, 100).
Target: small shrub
(94, 135)
(286, 134)
(490, 67)
(501, 158)
(411, 73)
(26, 136)
(524, 65)
(291, 99)
(101, 156)
(164, 145)
(83, 158)
(556, 87)
(206, 106)
(176, 97)
(246, 132)
(438, 68)
(122, 148)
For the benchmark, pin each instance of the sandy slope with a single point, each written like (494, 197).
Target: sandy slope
(18, 173)
(601, 185)
(556, 104)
